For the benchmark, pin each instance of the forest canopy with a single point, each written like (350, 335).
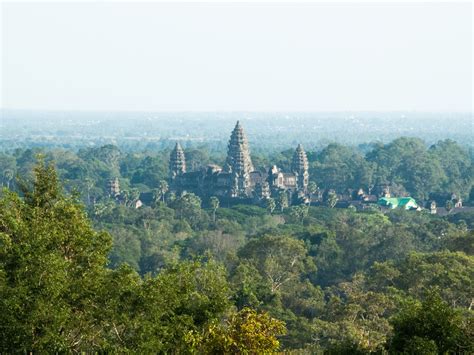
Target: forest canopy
(80, 271)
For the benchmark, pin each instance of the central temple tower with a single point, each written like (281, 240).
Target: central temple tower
(299, 166)
(177, 161)
(239, 163)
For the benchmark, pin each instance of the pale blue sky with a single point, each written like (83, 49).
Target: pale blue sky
(159, 56)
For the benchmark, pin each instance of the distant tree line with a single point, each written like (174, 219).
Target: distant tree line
(406, 165)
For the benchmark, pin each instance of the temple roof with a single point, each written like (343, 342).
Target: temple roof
(300, 160)
(177, 160)
(238, 155)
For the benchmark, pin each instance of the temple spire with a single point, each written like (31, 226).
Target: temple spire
(238, 154)
(177, 161)
(300, 160)
(238, 162)
(299, 166)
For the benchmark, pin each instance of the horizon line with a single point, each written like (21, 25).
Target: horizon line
(236, 110)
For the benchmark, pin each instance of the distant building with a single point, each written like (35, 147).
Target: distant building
(457, 203)
(238, 179)
(138, 203)
(406, 203)
(114, 187)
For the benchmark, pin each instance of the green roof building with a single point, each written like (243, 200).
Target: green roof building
(407, 203)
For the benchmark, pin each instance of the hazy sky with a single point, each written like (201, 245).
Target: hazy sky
(177, 56)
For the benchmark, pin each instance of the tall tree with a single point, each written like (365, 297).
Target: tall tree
(282, 200)
(270, 204)
(432, 325)
(331, 199)
(51, 262)
(214, 203)
(163, 189)
(312, 190)
(280, 260)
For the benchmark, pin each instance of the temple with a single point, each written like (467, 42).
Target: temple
(238, 180)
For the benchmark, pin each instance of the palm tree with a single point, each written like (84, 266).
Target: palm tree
(156, 196)
(283, 200)
(8, 176)
(163, 188)
(89, 184)
(134, 195)
(332, 199)
(271, 205)
(214, 202)
(449, 206)
(312, 189)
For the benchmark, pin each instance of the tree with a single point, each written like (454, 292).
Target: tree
(7, 177)
(270, 205)
(161, 314)
(299, 213)
(452, 272)
(102, 208)
(214, 203)
(282, 200)
(129, 197)
(244, 332)
(449, 206)
(354, 318)
(163, 189)
(58, 296)
(430, 325)
(312, 190)
(88, 184)
(51, 261)
(278, 259)
(134, 195)
(125, 197)
(340, 167)
(456, 164)
(182, 299)
(331, 199)
(188, 207)
(156, 196)
(108, 154)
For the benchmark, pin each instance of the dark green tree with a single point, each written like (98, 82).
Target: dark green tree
(214, 203)
(51, 263)
(432, 325)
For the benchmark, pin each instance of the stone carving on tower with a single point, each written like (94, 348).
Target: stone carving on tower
(177, 161)
(299, 166)
(239, 163)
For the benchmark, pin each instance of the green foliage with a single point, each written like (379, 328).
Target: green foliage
(453, 273)
(214, 203)
(244, 332)
(179, 278)
(188, 208)
(283, 200)
(331, 199)
(270, 205)
(50, 263)
(279, 260)
(297, 214)
(355, 318)
(432, 327)
(338, 167)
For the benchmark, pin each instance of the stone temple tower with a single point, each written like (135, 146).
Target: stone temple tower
(238, 162)
(177, 161)
(299, 166)
(114, 187)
